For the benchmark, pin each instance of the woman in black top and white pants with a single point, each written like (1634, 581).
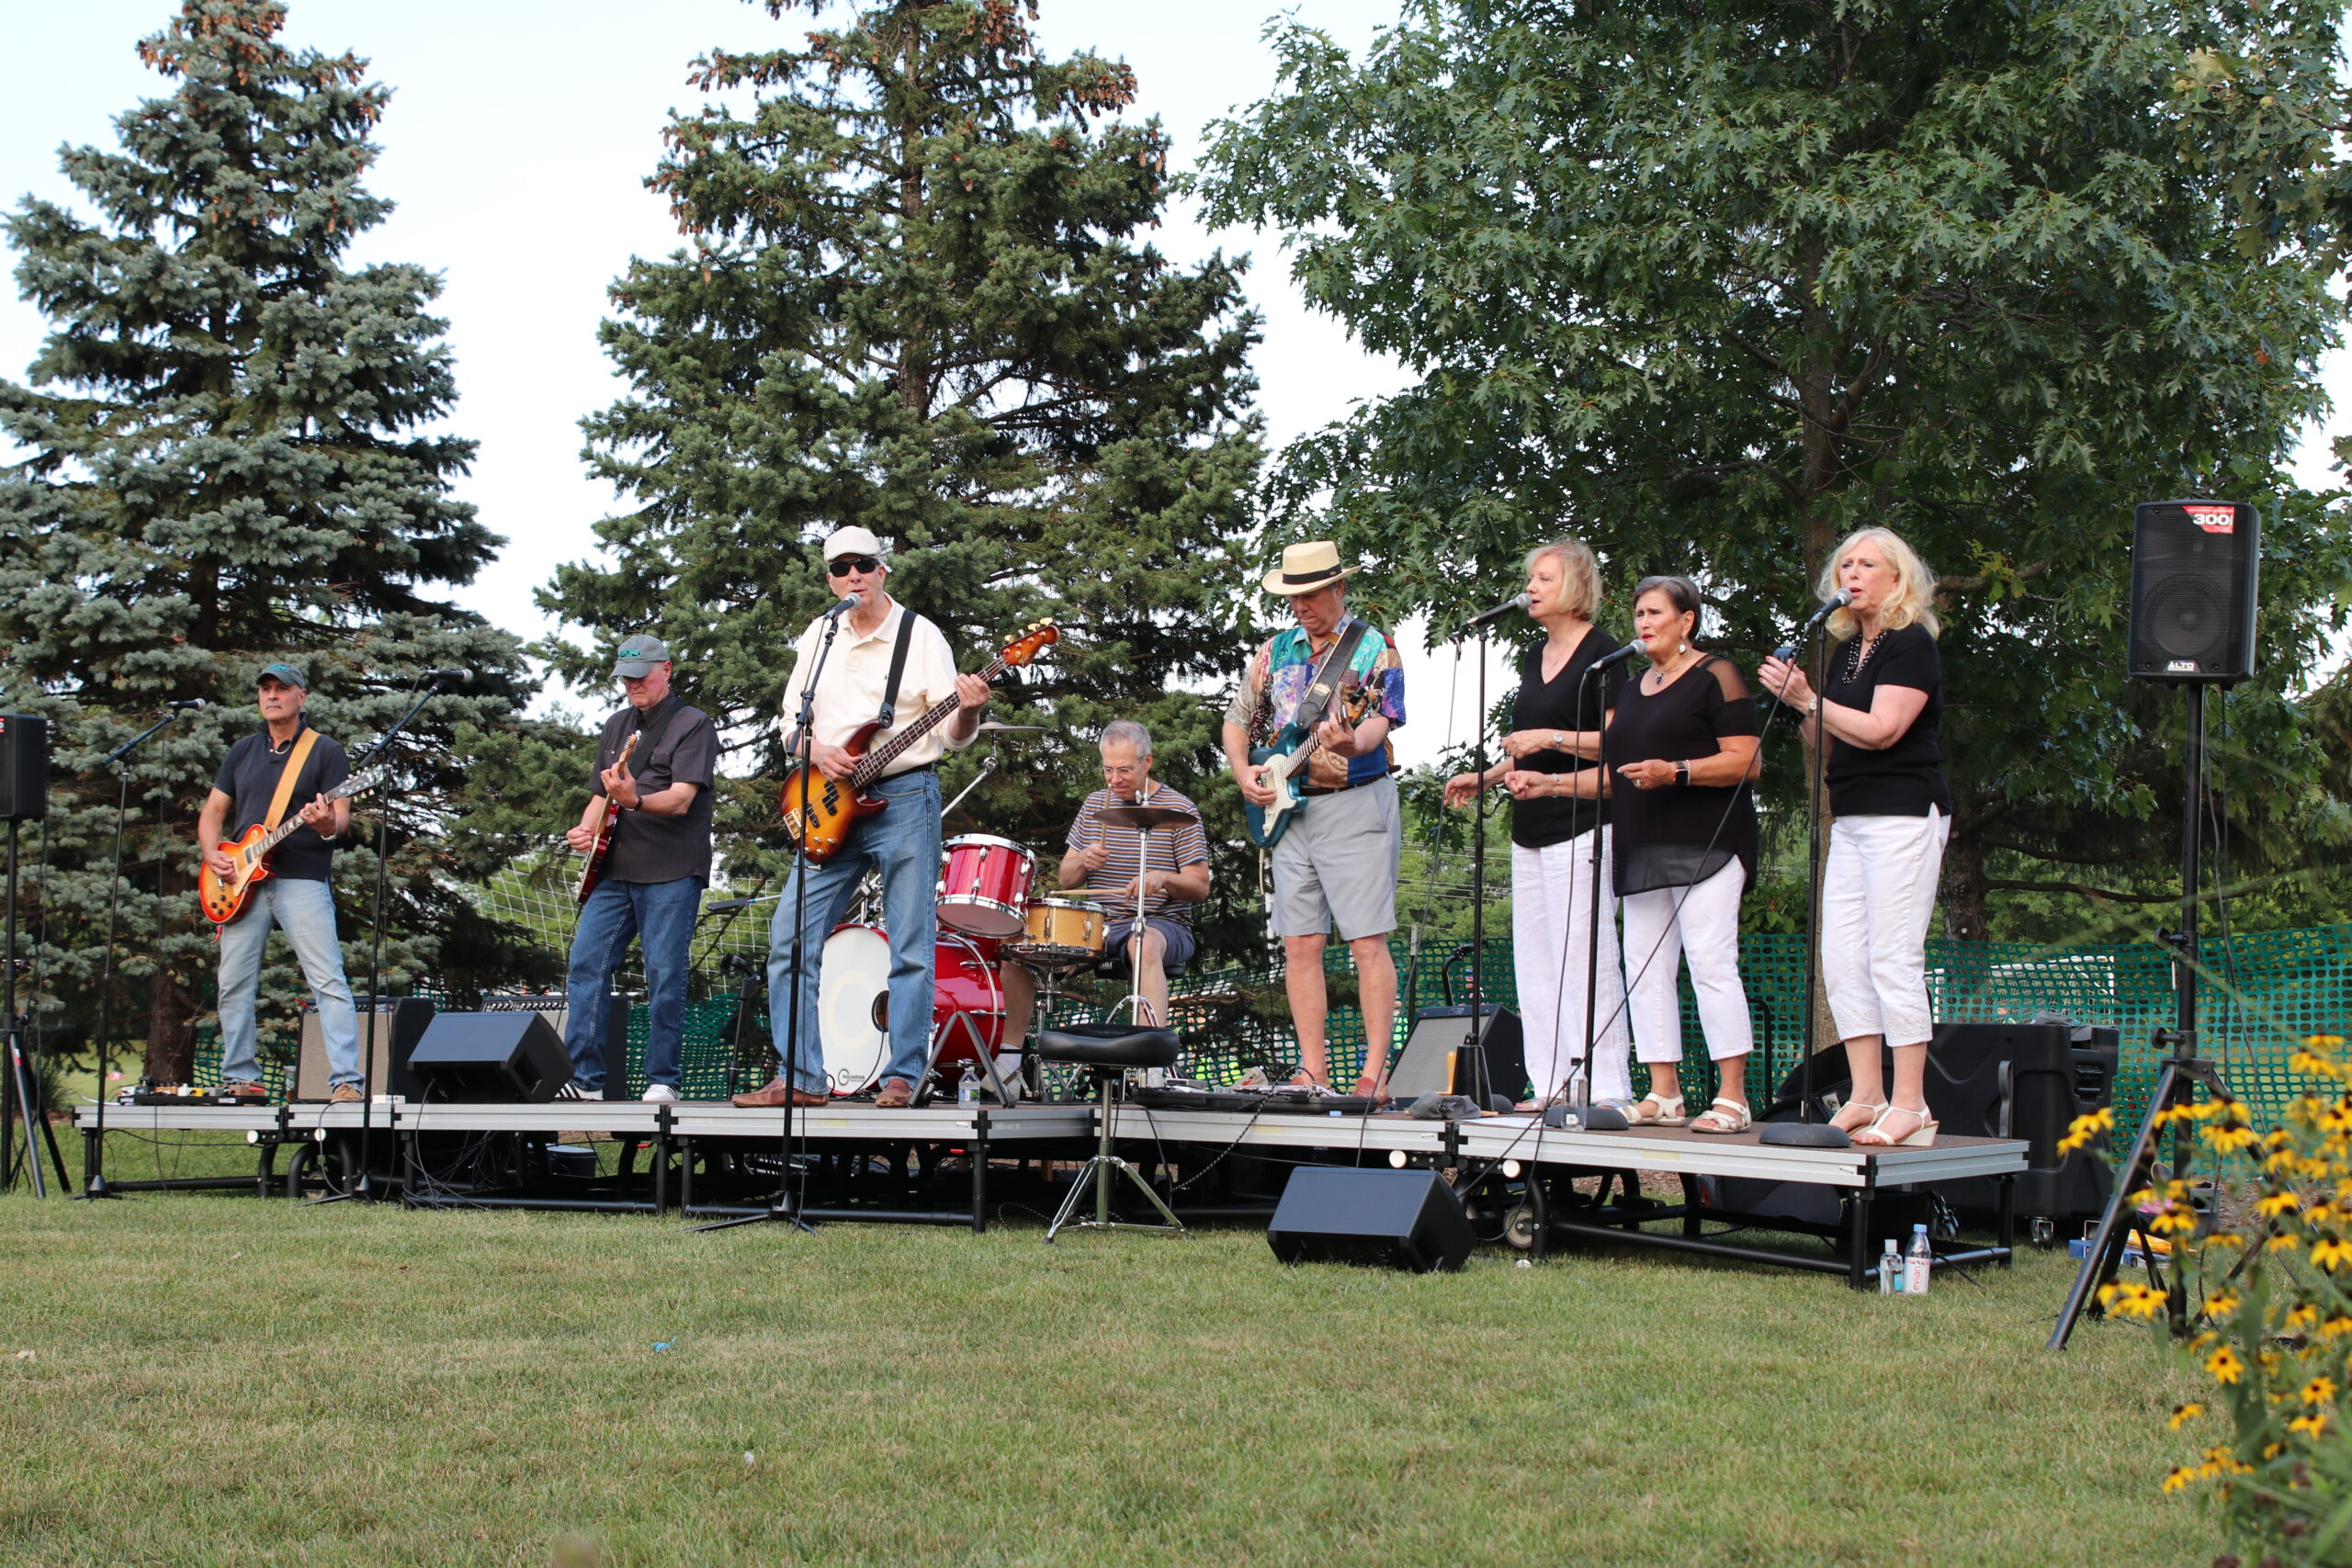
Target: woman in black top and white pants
(1878, 712)
(1680, 752)
(1554, 937)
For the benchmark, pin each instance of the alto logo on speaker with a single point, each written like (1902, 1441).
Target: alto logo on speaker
(2213, 519)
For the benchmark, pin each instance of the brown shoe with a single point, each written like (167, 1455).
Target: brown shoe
(897, 1095)
(779, 1093)
(345, 1094)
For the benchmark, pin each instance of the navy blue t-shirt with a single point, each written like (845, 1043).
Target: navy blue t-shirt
(249, 777)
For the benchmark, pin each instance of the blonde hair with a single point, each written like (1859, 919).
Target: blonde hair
(1913, 603)
(1579, 574)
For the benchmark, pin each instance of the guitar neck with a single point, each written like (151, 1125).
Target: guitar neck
(285, 829)
(882, 756)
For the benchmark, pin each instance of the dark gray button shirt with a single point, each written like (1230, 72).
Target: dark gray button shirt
(647, 847)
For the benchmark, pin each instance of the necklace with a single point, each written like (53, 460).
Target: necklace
(1857, 652)
(1660, 674)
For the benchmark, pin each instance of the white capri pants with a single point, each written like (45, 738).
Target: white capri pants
(1877, 893)
(1551, 908)
(1705, 926)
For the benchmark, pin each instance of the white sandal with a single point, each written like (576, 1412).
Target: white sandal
(1922, 1136)
(1871, 1112)
(1670, 1112)
(1726, 1116)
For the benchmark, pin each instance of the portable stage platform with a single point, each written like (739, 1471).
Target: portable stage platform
(1511, 1170)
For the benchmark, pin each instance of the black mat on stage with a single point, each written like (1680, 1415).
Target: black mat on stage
(1252, 1101)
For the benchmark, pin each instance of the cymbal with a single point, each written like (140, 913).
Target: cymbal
(1148, 817)
(990, 726)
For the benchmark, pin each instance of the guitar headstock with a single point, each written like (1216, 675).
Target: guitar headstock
(359, 784)
(1035, 639)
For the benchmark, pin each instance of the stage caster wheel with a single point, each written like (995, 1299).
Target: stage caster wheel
(1519, 1227)
(2044, 1232)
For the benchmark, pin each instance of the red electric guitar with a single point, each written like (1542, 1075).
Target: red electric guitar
(818, 812)
(603, 818)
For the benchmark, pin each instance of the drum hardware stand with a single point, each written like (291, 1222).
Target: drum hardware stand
(1142, 819)
(2183, 1074)
(752, 983)
(93, 1156)
(785, 1206)
(363, 1185)
(991, 1078)
(21, 1084)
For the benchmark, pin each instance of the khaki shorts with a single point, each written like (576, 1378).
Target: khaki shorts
(1337, 862)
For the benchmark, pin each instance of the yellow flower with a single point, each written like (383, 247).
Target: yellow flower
(2182, 1415)
(2272, 1450)
(2222, 1304)
(2324, 1042)
(2302, 1317)
(2310, 1426)
(2224, 1366)
(2319, 1391)
(2276, 1203)
(2331, 1254)
(2227, 1140)
(2283, 1242)
(2082, 1129)
(2336, 1327)
(2131, 1301)
(2179, 1479)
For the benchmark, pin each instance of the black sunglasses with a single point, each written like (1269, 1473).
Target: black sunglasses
(848, 564)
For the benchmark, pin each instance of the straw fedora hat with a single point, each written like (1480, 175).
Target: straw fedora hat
(1307, 567)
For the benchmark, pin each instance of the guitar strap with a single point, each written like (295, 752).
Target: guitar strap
(1317, 700)
(897, 668)
(285, 796)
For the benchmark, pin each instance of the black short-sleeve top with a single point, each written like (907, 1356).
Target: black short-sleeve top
(647, 847)
(1680, 834)
(1906, 778)
(1553, 704)
(249, 777)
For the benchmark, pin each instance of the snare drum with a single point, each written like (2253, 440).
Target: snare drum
(1061, 930)
(854, 1004)
(984, 889)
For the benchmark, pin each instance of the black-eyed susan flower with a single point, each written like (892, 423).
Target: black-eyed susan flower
(2331, 1254)
(2274, 1204)
(2319, 1391)
(2182, 1415)
(2224, 1366)
(2310, 1426)
(2179, 1478)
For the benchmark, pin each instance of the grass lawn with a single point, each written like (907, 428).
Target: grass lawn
(220, 1381)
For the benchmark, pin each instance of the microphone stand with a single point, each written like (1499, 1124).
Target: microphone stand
(1477, 881)
(363, 1186)
(1580, 1081)
(786, 1207)
(94, 1158)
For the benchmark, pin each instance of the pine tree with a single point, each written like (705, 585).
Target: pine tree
(915, 300)
(230, 462)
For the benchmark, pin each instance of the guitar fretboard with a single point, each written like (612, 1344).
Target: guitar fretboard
(870, 767)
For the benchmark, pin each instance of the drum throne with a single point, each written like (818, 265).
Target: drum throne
(1108, 1051)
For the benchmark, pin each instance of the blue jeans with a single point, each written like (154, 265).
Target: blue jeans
(904, 842)
(662, 914)
(304, 910)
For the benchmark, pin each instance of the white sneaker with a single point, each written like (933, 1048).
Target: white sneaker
(660, 1094)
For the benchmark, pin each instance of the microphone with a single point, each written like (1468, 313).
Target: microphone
(1619, 657)
(1519, 603)
(842, 606)
(1837, 601)
(448, 675)
(187, 704)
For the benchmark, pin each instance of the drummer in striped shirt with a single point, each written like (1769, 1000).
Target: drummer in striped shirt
(1105, 861)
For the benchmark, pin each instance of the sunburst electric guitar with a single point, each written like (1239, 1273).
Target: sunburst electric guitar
(223, 898)
(818, 812)
(604, 817)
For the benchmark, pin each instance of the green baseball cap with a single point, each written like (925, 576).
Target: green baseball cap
(286, 672)
(638, 655)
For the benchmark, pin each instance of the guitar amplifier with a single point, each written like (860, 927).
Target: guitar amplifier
(1439, 1058)
(386, 1034)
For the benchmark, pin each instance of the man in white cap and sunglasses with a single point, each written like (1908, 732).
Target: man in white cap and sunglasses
(650, 889)
(1337, 862)
(902, 840)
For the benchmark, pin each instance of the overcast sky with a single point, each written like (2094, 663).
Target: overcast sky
(519, 135)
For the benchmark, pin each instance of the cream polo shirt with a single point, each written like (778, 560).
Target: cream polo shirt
(849, 693)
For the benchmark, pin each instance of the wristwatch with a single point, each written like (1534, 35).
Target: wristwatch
(1682, 772)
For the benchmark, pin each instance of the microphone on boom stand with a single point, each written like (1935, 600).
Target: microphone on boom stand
(1519, 603)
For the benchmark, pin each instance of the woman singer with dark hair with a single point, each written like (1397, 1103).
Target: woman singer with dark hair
(1877, 711)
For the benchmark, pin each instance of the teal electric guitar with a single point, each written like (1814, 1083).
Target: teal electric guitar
(1287, 760)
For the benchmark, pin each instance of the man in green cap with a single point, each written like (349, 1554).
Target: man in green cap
(285, 757)
(650, 890)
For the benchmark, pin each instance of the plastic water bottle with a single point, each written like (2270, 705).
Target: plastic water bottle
(967, 1092)
(1890, 1271)
(1916, 1260)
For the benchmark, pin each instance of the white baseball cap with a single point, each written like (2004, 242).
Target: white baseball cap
(852, 541)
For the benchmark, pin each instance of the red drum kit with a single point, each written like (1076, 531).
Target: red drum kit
(986, 911)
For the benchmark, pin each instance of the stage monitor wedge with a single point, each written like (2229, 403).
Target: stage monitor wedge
(496, 1058)
(1381, 1219)
(2194, 566)
(24, 767)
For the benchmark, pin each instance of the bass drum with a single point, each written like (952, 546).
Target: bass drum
(854, 1004)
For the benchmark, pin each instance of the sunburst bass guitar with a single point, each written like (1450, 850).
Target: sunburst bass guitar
(223, 898)
(818, 812)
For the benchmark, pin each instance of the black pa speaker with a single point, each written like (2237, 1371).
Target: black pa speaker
(388, 1037)
(1381, 1219)
(490, 1059)
(1427, 1063)
(2193, 569)
(24, 767)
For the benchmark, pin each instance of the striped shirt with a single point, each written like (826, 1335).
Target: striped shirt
(1172, 848)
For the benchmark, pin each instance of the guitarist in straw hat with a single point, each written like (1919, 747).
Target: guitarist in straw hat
(1337, 864)
(902, 840)
(254, 787)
